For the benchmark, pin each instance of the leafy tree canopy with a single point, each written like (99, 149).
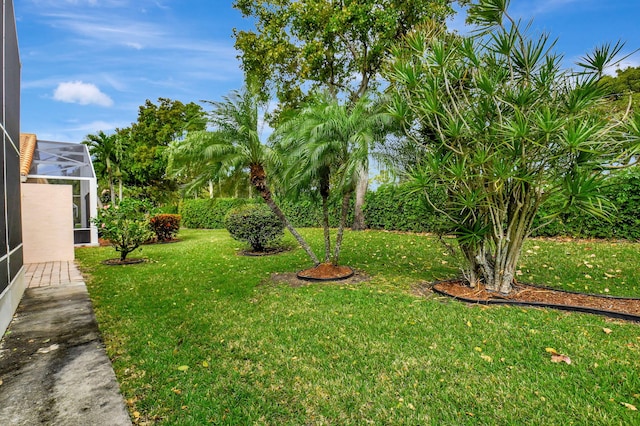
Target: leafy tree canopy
(146, 140)
(340, 45)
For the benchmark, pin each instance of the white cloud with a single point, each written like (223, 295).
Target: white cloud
(81, 93)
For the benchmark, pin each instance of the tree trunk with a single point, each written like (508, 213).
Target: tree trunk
(327, 230)
(361, 191)
(343, 221)
(112, 190)
(259, 181)
(324, 192)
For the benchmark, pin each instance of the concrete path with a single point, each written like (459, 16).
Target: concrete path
(53, 366)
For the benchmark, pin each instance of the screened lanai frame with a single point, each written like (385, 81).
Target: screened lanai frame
(65, 163)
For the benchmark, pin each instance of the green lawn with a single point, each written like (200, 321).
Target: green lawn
(200, 335)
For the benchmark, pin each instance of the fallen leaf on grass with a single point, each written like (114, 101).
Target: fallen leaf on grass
(558, 357)
(629, 406)
(486, 358)
(183, 368)
(205, 364)
(607, 330)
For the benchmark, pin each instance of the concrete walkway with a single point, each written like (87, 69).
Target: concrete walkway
(53, 366)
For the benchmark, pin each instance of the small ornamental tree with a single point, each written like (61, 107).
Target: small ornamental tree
(165, 226)
(125, 226)
(256, 225)
(504, 128)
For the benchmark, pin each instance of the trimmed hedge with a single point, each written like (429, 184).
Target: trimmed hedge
(392, 207)
(624, 191)
(208, 213)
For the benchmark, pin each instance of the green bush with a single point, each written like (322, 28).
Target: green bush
(254, 224)
(165, 226)
(393, 207)
(209, 213)
(126, 225)
(623, 189)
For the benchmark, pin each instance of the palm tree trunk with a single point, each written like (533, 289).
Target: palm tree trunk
(259, 181)
(324, 192)
(327, 230)
(343, 220)
(112, 191)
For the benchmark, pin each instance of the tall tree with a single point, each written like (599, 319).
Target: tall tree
(147, 139)
(299, 46)
(326, 145)
(232, 145)
(507, 128)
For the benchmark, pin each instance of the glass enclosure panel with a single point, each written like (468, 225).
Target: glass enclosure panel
(81, 200)
(61, 159)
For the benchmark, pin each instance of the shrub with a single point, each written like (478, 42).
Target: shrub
(125, 225)
(208, 213)
(395, 208)
(165, 226)
(254, 224)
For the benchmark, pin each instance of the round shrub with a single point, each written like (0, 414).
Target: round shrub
(165, 226)
(254, 224)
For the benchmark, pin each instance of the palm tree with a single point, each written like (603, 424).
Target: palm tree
(327, 146)
(106, 151)
(232, 145)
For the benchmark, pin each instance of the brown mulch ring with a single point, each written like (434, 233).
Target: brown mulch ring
(326, 272)
(291, 279)
(526, 294)
(117, 261)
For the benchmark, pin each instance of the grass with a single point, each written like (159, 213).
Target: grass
(199, 335)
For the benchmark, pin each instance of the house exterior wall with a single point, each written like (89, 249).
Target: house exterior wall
(12, 282)
(48, 211)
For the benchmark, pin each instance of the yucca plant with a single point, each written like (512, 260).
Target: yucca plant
(507, 129)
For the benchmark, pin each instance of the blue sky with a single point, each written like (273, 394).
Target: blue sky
(87, 65)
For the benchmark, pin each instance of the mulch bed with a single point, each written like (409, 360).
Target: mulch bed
(326, 272)
(291, 279)
(527, 294)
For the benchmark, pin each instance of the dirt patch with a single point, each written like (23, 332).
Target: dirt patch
(535, 295)
(291, 279)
